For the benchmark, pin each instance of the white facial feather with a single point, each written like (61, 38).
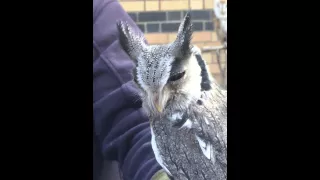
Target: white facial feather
(155, 64)
(193, 84)
(196, 50)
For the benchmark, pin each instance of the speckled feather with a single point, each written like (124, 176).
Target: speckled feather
(189, 137)
(179, 148)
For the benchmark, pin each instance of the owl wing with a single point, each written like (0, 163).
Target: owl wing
(204, 124)
(210, 127)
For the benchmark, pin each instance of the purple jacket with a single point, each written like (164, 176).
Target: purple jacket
(121, 130)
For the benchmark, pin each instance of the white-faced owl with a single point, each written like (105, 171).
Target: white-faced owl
(186, 107)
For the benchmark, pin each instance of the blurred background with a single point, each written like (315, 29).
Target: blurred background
(160, 19)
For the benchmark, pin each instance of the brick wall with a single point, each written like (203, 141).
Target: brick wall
(159, 20)
(165, 5)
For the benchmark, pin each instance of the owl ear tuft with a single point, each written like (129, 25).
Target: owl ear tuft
(182, 43)
(130, 42)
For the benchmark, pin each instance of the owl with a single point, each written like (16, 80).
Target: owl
(220, 11)
(186, 107)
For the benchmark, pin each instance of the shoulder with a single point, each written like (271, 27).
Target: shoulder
(106, 14)
(108, 51)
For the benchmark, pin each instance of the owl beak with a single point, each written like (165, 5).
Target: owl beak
(158, 108)
(157, 104)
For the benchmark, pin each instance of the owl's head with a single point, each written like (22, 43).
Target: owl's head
(169, 75)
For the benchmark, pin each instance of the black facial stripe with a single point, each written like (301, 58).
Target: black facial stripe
(176, 67)
(205, 82)
(177, 76)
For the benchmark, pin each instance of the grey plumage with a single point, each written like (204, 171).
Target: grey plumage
(181, 149)
(186, 107)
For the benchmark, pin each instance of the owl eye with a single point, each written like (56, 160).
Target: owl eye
(177, 76)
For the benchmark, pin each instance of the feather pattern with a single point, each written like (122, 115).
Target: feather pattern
(199, 152)
(186, 106)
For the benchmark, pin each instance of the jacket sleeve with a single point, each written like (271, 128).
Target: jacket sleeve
(122, 129)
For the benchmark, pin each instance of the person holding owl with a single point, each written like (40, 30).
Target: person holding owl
(121, 129)
(167, 87)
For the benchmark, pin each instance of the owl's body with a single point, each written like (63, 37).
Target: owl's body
(186, 107)
(198, 149)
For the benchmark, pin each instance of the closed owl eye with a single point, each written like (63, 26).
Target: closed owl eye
(177, 76)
